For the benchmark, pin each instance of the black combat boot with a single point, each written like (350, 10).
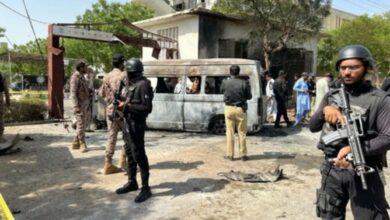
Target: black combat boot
(132, 184)
(143, 195)
(128, 187)
(145, 190)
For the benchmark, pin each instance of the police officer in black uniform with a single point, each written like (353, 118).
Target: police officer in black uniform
(281, 94)
(137, 106)
(340, 183)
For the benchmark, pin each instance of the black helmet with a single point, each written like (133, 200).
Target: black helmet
(355, 51)
(80, 64)
(117, 59)
(134, 67)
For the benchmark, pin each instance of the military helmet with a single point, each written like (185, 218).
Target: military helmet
(134, 67)
(117, 59)
(355, 51)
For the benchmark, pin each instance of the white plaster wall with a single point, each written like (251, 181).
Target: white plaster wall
(210, 3)
(188, 37)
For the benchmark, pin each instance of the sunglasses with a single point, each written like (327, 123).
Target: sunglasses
(351, 67)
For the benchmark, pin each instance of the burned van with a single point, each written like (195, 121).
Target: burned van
(187, 95)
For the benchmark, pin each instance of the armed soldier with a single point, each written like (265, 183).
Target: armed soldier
(114, 125)
(136, 108)
(358, 179)
(79, 93)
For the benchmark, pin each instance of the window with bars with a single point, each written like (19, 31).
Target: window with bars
(172, 33)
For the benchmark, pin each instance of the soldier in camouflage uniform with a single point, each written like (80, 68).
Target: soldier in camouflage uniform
(110, 84)
(4, 93)
(89, 77)
(80, 97)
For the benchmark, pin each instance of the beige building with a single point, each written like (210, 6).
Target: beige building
(202, 33)
(336, 19)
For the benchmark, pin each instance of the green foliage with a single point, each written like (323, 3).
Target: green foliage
(372, 32)
(26, 109)
(95, 53)
(2, 30)
(31, 68)
(325, 61)
(42, 95)
(100, 54)
(275, 23)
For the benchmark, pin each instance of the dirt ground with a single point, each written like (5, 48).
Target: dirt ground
(48, 180)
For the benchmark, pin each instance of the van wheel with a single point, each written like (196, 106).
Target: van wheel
(218, 126)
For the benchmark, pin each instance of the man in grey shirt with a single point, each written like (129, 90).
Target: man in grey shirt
(236, 91)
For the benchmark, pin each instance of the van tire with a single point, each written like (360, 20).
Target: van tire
(218, 125)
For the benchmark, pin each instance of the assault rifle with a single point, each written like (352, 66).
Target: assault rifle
(351, 130)
(117, 98)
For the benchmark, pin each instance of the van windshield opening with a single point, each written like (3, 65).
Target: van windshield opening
(171, 85)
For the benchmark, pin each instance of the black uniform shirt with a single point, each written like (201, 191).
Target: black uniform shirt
(375, 146)
(236, 91)
(280, 89)
(140, 97)
(386, 84)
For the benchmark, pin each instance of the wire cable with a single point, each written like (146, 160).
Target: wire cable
(381, 4)
(62, 120)
(360, 6)
(35, 20)
(33, 30)
(9, 41)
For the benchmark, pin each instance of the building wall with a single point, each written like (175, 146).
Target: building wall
(186, 4)
(310, 45)
(209, 33)
(188, 37)
(336, 19)
(207, 36)
(160, 7)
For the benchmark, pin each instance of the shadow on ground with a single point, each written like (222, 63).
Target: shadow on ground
(268, 130)
(204, 185)
(272, 155)
(45, 181)
(176, 165)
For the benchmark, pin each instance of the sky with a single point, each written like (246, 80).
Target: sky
(18, 30)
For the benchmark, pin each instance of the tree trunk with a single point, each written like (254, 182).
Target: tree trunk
(267, 60)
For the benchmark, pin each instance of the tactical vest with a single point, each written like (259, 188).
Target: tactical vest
(134, 97)
(367, 104)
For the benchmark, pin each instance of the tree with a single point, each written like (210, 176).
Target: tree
(2, 47)
(372, 32)
(2, 30)
(108, 16)
(32, 67)
(275, 23)
(100, 54)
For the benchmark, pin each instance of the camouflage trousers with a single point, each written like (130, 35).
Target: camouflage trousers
(88, 117)
(113, 128)
(81, 118)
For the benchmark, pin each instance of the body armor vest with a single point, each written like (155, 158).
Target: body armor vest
(1, 83)
(364, 100)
